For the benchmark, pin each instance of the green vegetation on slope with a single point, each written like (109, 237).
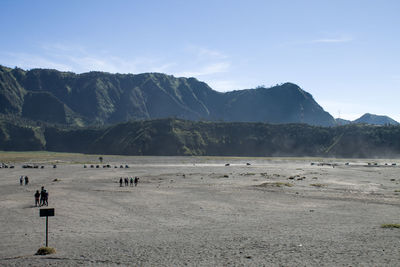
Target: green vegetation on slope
(98, 98)
(180, 137)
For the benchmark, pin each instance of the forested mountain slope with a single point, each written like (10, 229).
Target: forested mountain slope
(98, 98)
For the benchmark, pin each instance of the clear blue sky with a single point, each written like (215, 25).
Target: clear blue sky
(345, 53)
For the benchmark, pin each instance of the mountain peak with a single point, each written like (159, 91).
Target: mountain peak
(369, 118)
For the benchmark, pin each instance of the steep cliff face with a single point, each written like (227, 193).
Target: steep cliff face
(44, 106)
(11, 91)
(98, 98)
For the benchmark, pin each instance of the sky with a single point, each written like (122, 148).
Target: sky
(345, 53)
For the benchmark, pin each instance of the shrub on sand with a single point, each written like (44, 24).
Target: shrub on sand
(391, 225)
(317, 185)
(276, 184)
(45, 251)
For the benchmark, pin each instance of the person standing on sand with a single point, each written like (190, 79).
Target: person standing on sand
(21, 180)
(42, 192)
(37, 196)
(136, 180)
(131, 181)
(126, 181)
(120, 182)
(46, 198)
(26, 180)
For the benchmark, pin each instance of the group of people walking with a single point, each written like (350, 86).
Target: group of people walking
(42, 198)
(132, 181)
(22, 179)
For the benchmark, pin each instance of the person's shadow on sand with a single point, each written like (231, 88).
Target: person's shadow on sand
(32, 206)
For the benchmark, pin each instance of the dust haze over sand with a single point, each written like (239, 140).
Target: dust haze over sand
(196, 211)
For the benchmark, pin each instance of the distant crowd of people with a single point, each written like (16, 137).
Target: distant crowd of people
(42, 198)
(132, 181)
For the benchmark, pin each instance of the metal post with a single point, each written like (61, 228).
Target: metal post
(47, 230)
(46, 213)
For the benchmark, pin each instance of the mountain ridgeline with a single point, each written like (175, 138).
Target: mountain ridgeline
(173, 137)
(371, 119)
(98, 98)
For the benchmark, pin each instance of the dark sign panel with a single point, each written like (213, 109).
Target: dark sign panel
(46, 212)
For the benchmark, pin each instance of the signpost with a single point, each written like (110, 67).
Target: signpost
(46, 213)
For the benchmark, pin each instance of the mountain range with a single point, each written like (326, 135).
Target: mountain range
(98, 98)
(158, 114)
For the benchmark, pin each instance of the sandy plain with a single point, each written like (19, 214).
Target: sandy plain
(195, 211)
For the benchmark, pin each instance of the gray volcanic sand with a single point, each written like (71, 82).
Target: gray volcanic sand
(196, 211)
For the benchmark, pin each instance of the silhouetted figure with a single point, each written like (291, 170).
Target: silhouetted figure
(136, 180)
(126, 181)
(131, 181)
(42, 193)
(37, 196)
(21, 180)
(120, 182)
(46, 198)
(26, 180)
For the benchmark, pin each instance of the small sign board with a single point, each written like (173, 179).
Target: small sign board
(46, 212)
